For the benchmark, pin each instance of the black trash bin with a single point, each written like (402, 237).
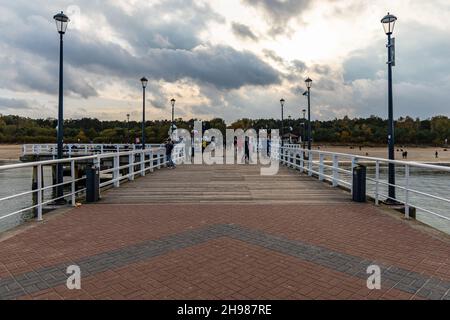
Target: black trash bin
(359, 183)
(92, 184)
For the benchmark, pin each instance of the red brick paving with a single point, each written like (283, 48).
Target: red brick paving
(225, 268)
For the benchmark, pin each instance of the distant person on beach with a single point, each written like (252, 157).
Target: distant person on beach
(436, 155)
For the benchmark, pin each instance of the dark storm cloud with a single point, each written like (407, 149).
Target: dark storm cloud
(243, 31)
(178, 55)
(7, 103)
(279, 12)
(184, 21)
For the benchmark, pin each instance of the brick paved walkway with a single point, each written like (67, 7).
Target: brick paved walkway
(253, 249)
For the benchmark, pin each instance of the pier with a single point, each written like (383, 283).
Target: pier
(226, 232)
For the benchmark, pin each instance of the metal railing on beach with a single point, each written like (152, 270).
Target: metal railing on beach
(114, 168)
(421, 188)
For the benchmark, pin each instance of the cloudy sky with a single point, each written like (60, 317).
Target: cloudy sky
(224, 58)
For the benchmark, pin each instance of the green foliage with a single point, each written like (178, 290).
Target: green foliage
(373, 130)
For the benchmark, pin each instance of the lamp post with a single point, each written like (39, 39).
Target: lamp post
(282, 101)
(173, 115)
(308, 94)
(144, 82)
(304, 128)
(61, 25)
(388, 24)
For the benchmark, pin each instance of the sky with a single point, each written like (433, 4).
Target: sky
(224, 58)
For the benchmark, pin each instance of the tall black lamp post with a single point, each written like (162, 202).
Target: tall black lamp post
(61, 25)
(308, 95)
(388, 25)
(144, 82)
(173, 115)
(282, 102)
(304, 128)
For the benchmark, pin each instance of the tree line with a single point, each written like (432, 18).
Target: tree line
(357, 131)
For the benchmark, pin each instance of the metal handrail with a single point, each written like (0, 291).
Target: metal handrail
(149, 159)
(291, 154)
(78, 148)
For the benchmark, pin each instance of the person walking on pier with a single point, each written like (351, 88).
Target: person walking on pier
(169, 149)
(247, 150)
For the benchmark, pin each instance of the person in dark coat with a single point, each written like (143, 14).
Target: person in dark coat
(247, 150)
(169, 149)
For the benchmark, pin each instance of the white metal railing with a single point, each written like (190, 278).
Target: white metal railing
(82, 149)
(337, 168)
(138, 162)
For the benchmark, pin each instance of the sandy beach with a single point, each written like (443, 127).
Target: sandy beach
(13, 152)
(426, 154)
(10, 151)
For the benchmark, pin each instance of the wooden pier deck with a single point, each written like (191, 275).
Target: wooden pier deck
(224, 232)
(225, 184)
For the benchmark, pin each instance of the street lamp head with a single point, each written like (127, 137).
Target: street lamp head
(282, 101)
(144, 82)
(389, 23)
(173, 102)
(61, 22)
(308, 83)
(304, 112)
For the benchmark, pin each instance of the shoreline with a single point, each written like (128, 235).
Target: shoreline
(12, 152)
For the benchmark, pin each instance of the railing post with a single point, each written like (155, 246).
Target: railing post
(142, 163)
(131, 167)
(407, 192)
(97, 164)
(294, 159)
(39, 192)
(310, 164)
(116, 171)
(321, 159)
(377, 183)
(73, 185)
(335, 170)
(354, 160)
(152, 161)
(159, 162)
(302, 161)
(101, 149)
